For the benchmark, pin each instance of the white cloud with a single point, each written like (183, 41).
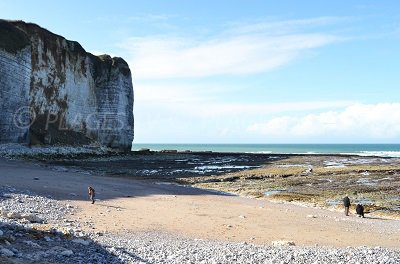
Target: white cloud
(196, 113)
(149, 18)
(356, 122)
(207, 101)
(249, 49)
(288, 26)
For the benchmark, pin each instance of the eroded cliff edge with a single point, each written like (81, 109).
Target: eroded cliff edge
(53, 92)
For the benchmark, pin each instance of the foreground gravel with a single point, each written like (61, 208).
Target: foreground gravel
(35, 229)
(162, 248)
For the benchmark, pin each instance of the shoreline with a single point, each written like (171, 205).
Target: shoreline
(217, 170)
(23, 150)
(278, 154)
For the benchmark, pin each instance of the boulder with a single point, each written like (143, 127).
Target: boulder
(67, 253)
(279, 243)
(81, 241)
(32, 218)
(6, 252)
(14, 215)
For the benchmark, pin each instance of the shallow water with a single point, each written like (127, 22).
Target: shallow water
(272, 192)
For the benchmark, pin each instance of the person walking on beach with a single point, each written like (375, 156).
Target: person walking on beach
(91, 193)
(346, 203)
(360, 210)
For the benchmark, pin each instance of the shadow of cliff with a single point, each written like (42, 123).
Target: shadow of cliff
(31, 245)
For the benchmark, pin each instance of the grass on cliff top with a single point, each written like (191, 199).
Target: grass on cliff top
(12, 39)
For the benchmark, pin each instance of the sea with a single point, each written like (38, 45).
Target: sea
(379, 150)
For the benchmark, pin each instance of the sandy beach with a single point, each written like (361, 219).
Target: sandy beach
(127, 205)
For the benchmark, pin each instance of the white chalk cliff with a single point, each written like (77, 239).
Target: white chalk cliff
(53, 92)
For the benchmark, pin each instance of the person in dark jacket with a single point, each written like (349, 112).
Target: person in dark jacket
(360, 210)
(92, 193)
(346, 203)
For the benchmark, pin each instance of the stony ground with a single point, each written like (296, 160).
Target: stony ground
(162, 248)
(35, 229)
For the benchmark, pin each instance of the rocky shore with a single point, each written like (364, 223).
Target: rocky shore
(36, 229)
(19, 151)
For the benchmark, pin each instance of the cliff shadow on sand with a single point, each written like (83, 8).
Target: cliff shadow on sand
(36, 229)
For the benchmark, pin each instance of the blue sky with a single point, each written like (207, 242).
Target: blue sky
(245, 71)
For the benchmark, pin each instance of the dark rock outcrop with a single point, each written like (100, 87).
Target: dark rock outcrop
(53, 92)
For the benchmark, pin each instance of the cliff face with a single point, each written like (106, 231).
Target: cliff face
(53, 92)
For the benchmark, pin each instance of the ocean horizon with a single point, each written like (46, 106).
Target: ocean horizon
(380, 150)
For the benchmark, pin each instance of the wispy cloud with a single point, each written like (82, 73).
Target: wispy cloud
(150, 18)
(207, 101)
(247, 49)
(358, 121)
(286, 26)
(143, 18)
(199, 113)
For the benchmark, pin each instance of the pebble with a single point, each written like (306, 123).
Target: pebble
(14, 215)
(282, 243)
(81, 241)
(32, 218)
(32, 244)
(67, 253)
(6, 252)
